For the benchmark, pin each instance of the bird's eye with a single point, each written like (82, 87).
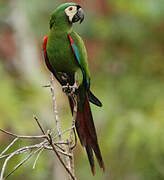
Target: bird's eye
(70, 9)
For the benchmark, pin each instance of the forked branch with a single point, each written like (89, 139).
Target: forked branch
(62, 149)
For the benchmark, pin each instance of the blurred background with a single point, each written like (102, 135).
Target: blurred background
(125, 44)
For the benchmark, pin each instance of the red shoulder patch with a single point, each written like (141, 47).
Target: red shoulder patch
(45, 42)
(71, 41)
(45, 53)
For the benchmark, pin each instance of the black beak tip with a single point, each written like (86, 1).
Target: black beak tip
(79, 16)
(82, 19)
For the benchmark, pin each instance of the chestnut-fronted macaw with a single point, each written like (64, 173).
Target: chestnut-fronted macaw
(66, 57)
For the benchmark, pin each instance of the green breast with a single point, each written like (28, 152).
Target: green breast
(60, 53)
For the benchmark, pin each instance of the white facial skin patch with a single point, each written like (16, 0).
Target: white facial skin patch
(70, 12)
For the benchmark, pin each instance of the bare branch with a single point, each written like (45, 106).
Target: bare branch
(49, 138)
(3, 152)
(41, 128)
(55, 106)
(62, 152)
(60, 159)
(21, 163)
(5, 163)
(24, 149)
(62, 149)
(59, 147)
(71, 146)
(41, 150)
(61, 142)
(66, 154)
(74, 99)
(46, 86)
(23, 137)
(75, 143)
(67, 130)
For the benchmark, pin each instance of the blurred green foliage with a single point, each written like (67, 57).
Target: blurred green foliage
(126, 50)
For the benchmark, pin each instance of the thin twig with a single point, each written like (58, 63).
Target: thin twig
(63, 132)
(23, 149)
(55, 107)
(70, 141)
(59, 147)
(41, 128)
(22, 137)
(75, 143)
(3, 152)
(74, 99)
(46, 86)
(21, 163)
(5, 163)
(49, 138)
(61, 142)
(62, 152)
(60, 159)
(37, 157)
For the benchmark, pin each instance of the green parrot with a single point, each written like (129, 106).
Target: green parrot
(66, 57)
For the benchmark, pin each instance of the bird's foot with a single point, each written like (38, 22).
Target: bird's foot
(69, 89)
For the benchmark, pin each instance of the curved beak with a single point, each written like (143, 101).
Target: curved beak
(79, 16)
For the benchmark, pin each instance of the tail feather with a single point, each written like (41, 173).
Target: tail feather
(99, 157)
(87, 133)
(91, 158)
(93, 99)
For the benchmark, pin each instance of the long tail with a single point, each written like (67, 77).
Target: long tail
(86, 131)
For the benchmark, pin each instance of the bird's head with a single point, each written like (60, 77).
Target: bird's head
(67, 13)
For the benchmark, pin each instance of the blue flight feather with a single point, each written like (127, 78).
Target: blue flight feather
(78, 59)
(77, 55)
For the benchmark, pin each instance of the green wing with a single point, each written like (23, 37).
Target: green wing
(80, 52)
